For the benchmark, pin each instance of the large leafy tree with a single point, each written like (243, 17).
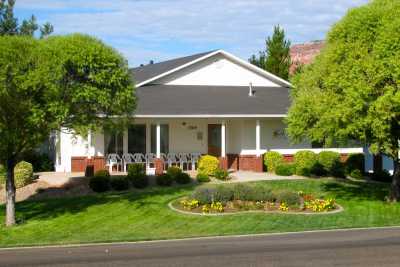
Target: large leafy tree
(73, 81)
(276, 57)
(352, 90)
(9, 23)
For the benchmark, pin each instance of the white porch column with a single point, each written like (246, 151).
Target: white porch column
(223, 143)
(89, 140)
(258, 138)
(158, 140)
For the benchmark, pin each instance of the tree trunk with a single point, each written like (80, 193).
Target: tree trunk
(10, 193)
(395, 192)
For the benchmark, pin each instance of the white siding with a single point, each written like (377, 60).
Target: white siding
(216, 70)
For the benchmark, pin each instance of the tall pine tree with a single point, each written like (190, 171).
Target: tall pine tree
(9, 24)
(276, 57)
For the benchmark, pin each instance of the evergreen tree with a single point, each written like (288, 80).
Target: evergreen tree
(9, 24)
(276, 57)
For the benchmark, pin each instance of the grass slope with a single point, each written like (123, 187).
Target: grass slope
(144, 215)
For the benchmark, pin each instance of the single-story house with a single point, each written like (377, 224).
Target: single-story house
(209, 103)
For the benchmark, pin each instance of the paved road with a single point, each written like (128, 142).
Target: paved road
(373, 247)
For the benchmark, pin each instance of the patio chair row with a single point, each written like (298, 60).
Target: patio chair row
(171, 159)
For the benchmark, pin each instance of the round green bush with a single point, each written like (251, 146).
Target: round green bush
(119, 183)
(356, 174)
(329, 160)
(355, 162)
(205, 195)
(338, 170)
(288, 197)
(271, 160)
(382, 176)
(138, 180)
(202, 178)
(318, 170)
(285, 169)
(305, 160)
(23, 174)
(208, 165)
(100, 182)
(183, 178)
(137, 175)
(221, 174)
(174, 171)
(164, 180)
(136, 169)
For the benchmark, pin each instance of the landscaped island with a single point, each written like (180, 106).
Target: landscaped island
(249, 197)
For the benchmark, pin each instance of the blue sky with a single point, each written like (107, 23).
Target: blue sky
(162, 29)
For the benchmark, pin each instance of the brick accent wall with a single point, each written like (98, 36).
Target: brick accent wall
(78, 164)
(159, 165)
(223, 163)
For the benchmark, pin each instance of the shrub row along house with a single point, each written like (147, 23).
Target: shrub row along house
(211, 103)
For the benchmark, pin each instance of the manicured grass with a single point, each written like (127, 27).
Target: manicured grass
(144, 215)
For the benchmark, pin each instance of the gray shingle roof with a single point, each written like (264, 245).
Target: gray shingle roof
(143, 73)
(210, 100)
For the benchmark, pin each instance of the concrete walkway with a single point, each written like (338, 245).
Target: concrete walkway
(58, 179)
(247, 176)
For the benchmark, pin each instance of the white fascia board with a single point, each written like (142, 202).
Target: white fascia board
(214, 116)
(254, 68)
(228, 55)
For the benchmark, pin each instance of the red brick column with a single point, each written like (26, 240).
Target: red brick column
(259, 164)
(159, 165)
(223, 163)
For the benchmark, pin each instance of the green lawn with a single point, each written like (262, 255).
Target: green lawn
(144, 215)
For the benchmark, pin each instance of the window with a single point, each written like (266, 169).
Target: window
(164, 138)
(137, 139)
(113, 142)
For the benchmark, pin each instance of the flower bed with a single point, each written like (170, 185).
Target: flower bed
(239, 198)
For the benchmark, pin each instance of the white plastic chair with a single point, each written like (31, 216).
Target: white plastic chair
(194, 158)
(184, 158)
(150, 158)
(172, 158)
(127, 158)
(113, 160)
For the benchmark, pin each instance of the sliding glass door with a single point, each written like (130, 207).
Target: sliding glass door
(113, 142)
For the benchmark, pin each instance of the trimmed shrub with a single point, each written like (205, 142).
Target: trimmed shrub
(23, 174)
(354, 162)
(288, 197)
(260, 193)
(285, 169)
(183, 178)
(329, 160)
(136, 169)
(305, 160)
(271, 160)
(100, 182)
(174, 171)
(382, 176)
(338, 170)
(205, 195)
(242, 191)
(222, 194)
(137, 175)
(221, 174)
(40, 162)
(164, 180)
(356, 174)
(202, 178)
(318, 170)
(119, 183)
(208, 165)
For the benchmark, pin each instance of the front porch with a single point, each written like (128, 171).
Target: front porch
(239, 143)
